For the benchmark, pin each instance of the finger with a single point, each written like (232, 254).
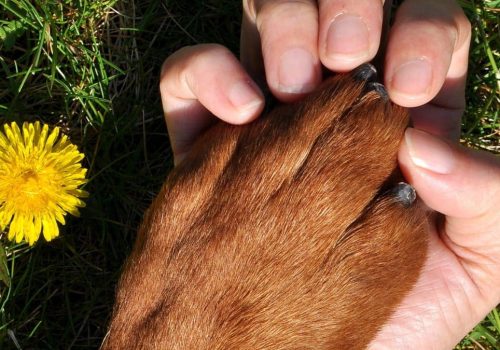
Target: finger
(464, 185)
(250, 50)
(198, 82)
(349, 32)
(288, 33)
(427, 54)
(442, 116)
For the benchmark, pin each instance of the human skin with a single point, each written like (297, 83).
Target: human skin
(460, 282)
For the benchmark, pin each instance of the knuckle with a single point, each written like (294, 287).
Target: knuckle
(268, 13)
(190, 66)
(188, 57)
(213, 49)
(171, 62)
(463, 28)
(249, 7)
(445, 18)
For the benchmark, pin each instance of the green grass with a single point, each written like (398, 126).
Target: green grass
(91, 67)
(481, 123)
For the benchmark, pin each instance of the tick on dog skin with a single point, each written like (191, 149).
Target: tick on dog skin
(404, 194)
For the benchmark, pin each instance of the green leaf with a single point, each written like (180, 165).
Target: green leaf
(9, 32)
(4, 272)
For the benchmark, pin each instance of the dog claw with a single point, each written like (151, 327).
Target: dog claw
(379, 88)
(366, 72)
(404, 194)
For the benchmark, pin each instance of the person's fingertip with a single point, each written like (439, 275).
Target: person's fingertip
(247, 99)
(297, 72)
(453, 180)
(347, 39)
(430, 166)
(412, 80)
(429, 152)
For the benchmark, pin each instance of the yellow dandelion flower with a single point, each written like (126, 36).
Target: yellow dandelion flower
(40, 176)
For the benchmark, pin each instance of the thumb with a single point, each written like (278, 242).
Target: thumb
(460, 183)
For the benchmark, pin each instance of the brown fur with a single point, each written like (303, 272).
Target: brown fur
(278, 234)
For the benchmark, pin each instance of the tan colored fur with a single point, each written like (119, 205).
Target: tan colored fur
(278, 234)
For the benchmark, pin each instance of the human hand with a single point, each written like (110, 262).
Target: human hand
(200, 82)
(427, 36)
(460, 282)
(425, 62)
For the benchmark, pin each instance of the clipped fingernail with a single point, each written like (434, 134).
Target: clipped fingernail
(347, 38)
(246, 98)
(412, 78)
(429, 152)
(297, 72)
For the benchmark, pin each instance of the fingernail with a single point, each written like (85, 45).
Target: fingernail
(296, 72)
(412, 78)
(246, 98)
(347, 38)
(429, 152)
